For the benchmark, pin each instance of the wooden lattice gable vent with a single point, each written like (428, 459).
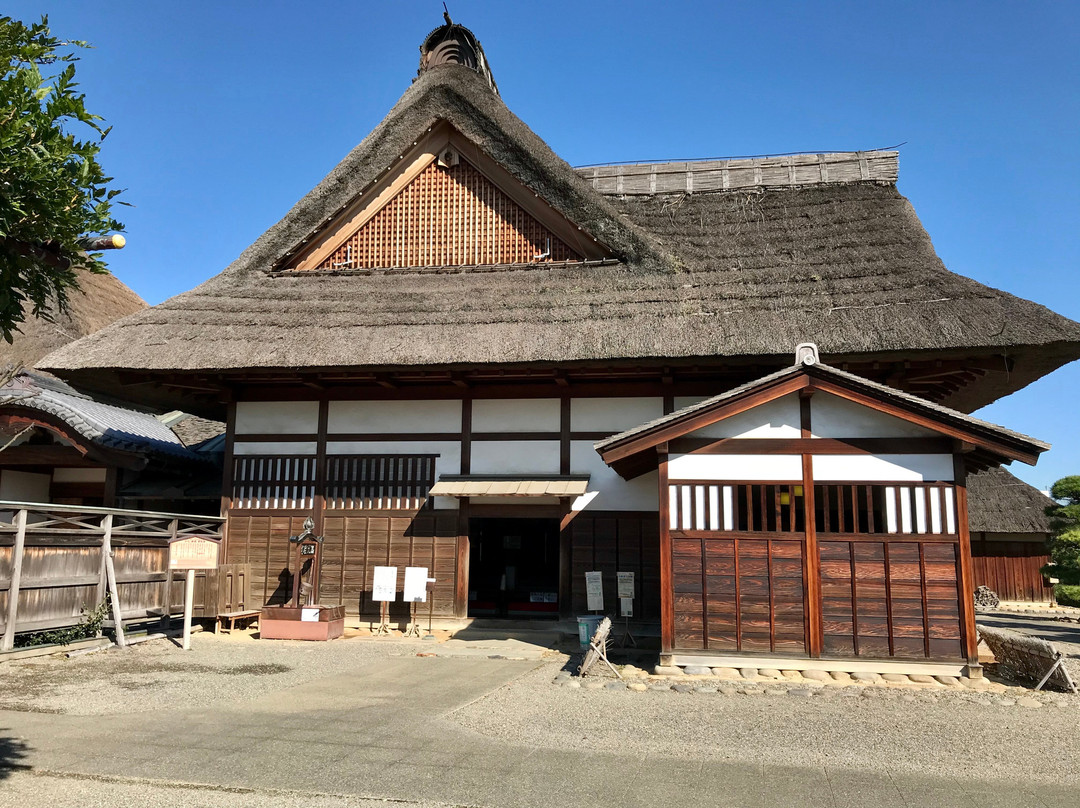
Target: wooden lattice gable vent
(446, 203)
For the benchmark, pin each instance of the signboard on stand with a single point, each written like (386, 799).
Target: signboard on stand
(384, 592)
(191, 553)
(416, 584)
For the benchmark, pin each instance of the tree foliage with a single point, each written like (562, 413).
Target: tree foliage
(1065, 524)
(53, 192)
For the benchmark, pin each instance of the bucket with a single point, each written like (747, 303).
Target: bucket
(586, 627)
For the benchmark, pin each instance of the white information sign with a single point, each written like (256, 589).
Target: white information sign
(594, 591)
(384, 585)
(416, 584)
(309, 615)
(626, 606)
(626, 584)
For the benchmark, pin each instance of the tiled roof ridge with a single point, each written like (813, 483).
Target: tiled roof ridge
(781, 171)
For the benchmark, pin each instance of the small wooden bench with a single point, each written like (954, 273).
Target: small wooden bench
(233, 617)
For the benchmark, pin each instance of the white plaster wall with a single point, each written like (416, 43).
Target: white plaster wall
(835, 417)
(612, 415)
(283, 417)
(24, 486)
(447, 462)
(515, 457)
(299, 447)
(609, 491)
(516, 415)
(734, 467)
(775, 419)
(79, 475)
(394, 416)
(883, 468)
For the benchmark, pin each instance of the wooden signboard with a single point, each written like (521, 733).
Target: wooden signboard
(194, 553)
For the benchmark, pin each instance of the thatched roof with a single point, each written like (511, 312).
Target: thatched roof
(999, 502)
(99, 301)
(744, 273)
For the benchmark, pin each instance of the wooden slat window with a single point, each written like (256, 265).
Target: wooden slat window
(449, 216)
(885, 508)
(735, 507)
(273, 481)
(378, 482)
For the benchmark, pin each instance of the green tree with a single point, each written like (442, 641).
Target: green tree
(1065, 541)
(54, 197)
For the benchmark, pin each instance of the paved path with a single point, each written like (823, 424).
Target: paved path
(382, 732)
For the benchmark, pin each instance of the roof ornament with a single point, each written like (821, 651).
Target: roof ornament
(453, 44)
(806, 353)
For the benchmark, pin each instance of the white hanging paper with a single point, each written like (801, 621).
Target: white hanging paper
(594, 591)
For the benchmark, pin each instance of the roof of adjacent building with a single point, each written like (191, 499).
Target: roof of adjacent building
(101, 299)
(106, 425)
(736, 258)
(999, 502)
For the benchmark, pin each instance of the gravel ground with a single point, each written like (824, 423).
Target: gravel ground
(158, 675)
(873, 728)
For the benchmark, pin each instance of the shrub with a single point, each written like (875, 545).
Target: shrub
(1067, 594)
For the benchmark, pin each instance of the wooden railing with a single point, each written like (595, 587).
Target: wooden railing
(58, 561)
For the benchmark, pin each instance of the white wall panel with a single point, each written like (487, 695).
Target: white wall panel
(24, 486)
(516, 415)
(613, 415)
(835, 417)
(734, 467)
(277, 447)
(394, 416)
(515, 457)
(612, 492)
(883, 468)
(775, 419)
(282, 417)
(686, 401)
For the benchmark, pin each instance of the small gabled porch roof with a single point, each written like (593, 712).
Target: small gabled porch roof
(634, 451)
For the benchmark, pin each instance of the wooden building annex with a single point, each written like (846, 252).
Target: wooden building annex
(425, 352)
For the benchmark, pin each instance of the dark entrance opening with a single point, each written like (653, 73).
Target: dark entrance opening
(514, 568)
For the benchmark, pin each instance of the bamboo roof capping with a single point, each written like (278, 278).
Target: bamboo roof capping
(786, 171)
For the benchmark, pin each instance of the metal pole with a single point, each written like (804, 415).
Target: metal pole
(189, 601)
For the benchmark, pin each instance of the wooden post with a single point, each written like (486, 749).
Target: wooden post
(16, 575)
(189, 602)
(667, 582)
(110, 574)
(965, 585)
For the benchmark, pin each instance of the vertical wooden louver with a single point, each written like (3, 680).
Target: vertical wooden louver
(449, 216)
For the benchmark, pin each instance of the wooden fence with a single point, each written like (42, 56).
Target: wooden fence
(57, 561)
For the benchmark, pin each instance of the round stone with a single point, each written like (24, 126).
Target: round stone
(748, 673)
(1002, 702)
(922, 679)
(682, 687)
(800, 692)
(593, 684)
(637, 687)
(704, 689)
(659, 686)
(615, 686)
(728, 690)
(948, 681)
(795, 675)
(866, 676)
(1027, 701)
(840, 676)
(572, 683)
(725, 673)
(667, 670)
(772, 691)
(697, 670)
(896, 678)
(770, 673)
(817, 676)
(750, 691)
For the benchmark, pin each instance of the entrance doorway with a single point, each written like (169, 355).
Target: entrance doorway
(514, 568)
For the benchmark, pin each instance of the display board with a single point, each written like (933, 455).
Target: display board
(416, 579)
(194, 553)
(594, 591)
(384, 585)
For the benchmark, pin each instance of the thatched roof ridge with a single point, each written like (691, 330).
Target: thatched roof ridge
(101, 299)
(999, 502)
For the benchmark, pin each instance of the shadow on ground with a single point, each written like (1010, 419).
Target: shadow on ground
(13, 754)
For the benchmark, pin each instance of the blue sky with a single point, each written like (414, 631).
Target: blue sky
(226, 113)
